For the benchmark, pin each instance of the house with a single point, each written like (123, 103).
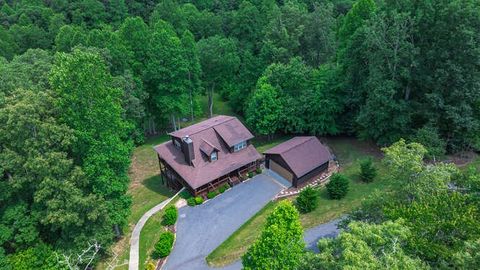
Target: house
(299, 159)
(204, 156)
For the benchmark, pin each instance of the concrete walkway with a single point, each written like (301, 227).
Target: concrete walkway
(135, 238)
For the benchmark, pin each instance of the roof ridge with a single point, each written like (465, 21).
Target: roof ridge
(296, 145)
(225, 118)
(209, 143)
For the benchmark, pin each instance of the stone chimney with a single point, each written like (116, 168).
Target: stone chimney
(187, 149)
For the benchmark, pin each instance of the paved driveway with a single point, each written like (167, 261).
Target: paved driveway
(201, 229)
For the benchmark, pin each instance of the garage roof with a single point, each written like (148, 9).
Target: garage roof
(302, 154)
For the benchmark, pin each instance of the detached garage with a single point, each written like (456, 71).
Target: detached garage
(299, 159)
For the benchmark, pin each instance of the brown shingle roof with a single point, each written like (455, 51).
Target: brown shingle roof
(205, 138)
(207, 147)
(302, 154)
(233, 132)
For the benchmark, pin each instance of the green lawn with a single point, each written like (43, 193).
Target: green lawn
(349, 152)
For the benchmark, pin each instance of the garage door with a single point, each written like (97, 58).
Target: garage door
(280, 170)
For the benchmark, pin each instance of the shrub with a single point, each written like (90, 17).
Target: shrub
(164, 245)
(307, 201)
(367, 171)
(258, 170)
(191, 201)
(170, 216)
(250, 174)
(212, 194)
(198, 200)
(338, 186)
(150, 266)
(223, 188)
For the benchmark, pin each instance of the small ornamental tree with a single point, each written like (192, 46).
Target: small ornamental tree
(368, 172)
(280, 245)
(170, 216)
(338, 186)
(164, 245)
(307, 201)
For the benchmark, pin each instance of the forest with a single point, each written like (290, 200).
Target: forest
(84, 81)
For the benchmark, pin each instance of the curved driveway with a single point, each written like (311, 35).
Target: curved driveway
(202, 228)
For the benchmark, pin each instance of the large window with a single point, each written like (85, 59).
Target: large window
(213, 156)
(239, 146)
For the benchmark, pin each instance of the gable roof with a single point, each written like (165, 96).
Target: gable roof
(206, 147)
(302, 154)
(206, 138)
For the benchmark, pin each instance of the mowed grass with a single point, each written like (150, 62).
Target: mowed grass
(349, 152)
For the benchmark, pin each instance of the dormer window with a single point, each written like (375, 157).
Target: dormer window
(213, 156)
(239, 146)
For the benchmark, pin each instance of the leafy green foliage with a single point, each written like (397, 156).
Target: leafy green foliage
(364, 246)
(307, 201)
(264, 110)
(368, 172)
(338, 186)
(212, 194)
(223, 188)
(430, 139)
(280, 245)
(170, 216)
(431, 200)
(198, 200)
(164, 245)
(39, 257)
(191, 201)
(91, 107)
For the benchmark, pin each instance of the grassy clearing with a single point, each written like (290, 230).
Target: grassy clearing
(349, 152)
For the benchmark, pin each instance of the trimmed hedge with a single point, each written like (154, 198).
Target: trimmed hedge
(212, 194)
(307, 201)
(191, 201)
(198, 200)
(170, 216)
(338, 186)
(164, 245)
(250, 174)
(258, 170)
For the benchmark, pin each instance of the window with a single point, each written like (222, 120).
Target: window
(239, 146)
(177, 143)
(213, 156)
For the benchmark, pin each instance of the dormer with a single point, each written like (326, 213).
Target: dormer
(210, 151)
(239, 146)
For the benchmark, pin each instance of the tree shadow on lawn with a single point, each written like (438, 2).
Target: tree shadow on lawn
(154, 183)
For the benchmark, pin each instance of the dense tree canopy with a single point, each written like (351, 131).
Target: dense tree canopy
(81, 80)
